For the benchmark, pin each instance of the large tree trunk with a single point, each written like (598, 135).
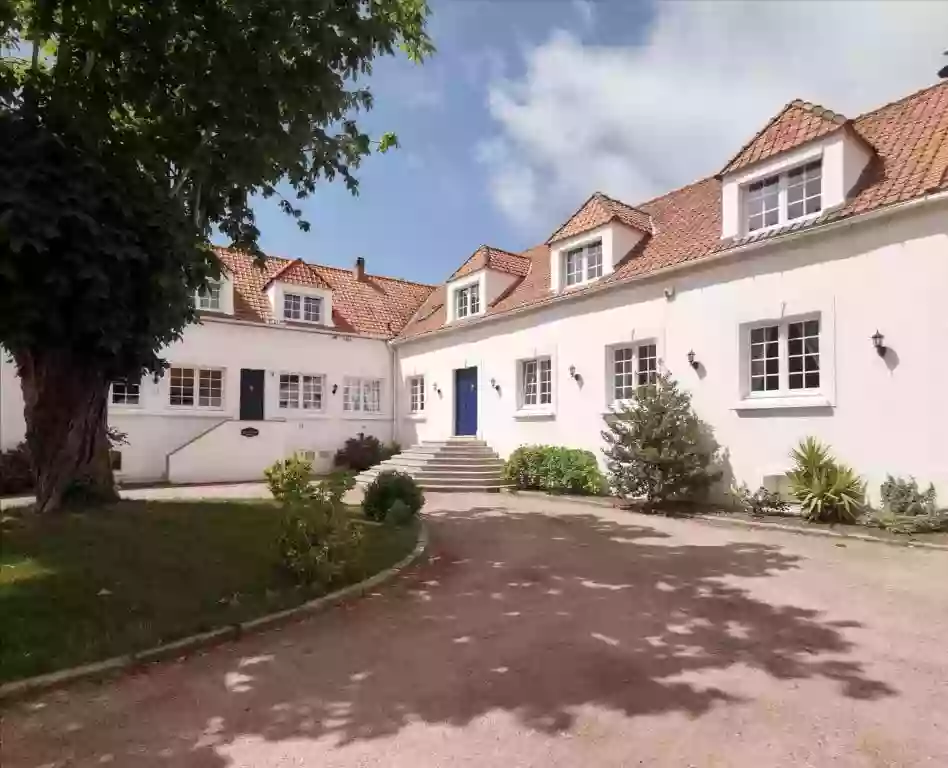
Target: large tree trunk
(66, 409)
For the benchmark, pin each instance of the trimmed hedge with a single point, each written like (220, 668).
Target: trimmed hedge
(390, 487)
(554, 469)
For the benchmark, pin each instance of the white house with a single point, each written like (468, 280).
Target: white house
(293, 357)
(801, 291)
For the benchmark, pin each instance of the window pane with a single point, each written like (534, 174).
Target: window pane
(417, 394)
(795, 210)
(475, 298)
(291, 306)
(624, 376)
(594, 261)
(289, 390)
(574, 266)
(648, 364)
(210, 388)
(182, 386)
(312, 309)
(764, 359)
(313, 393)
(529, 376)
(209, 297)
(546, 382)
(352, 395)
(125, 392)
(762, 199)
(803, 354)
(771, 218)
(804, 186)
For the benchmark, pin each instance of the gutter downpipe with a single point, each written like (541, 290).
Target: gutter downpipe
(687, 265)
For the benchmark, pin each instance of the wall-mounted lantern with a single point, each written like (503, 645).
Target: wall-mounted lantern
(691, 360)
(495, 385)
(335, 388)
(878, 342)
(572, 372)
(436, 388)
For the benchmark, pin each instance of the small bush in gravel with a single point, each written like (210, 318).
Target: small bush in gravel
(902, 497)
(828, 492)
(387, 488)
(759, 503)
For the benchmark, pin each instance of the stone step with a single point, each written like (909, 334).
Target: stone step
(454, 485)
(434, 474)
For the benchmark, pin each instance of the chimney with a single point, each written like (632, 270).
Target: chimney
(358, 271)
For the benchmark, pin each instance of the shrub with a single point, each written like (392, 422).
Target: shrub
(902, 497)
(935, 521)
(658, 448)
(360, 452)
(289, 480)
(554, 469)
(16, 473)
(760, 502)
(828, 492)
(388, 487)
(391, 448)
(318, 543)
(400, 514)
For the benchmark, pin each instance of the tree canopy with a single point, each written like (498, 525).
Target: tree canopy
(130, 129)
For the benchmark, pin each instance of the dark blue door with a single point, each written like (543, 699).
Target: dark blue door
(465, 401)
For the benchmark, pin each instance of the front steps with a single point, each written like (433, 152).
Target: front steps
(455, 464)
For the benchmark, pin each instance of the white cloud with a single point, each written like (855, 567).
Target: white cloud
(637, 121)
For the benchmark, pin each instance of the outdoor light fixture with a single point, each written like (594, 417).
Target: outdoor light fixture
(334, 388)
(691, 360)
(877, 339)
(436, 388)
(494, 384)
(572, 372)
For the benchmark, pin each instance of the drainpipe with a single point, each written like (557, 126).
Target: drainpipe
(393, 351)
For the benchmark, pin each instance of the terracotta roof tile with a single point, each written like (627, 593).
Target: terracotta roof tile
(910, 140)
(378, 306)
(493, 258)
(598, 210)
(796, 124)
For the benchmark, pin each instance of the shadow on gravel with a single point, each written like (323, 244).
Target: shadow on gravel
(531, 614)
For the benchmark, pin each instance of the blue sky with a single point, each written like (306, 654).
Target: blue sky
(531, 105)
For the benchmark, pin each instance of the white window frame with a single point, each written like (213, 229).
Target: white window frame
(198, 373)
(359, 392)
(640, 364)
(124, 385)
(212, 299)
(416, 395)
(296, 399)
(531, 396)
(586, 261)
(467, 297)
(809, 169)
(783, 396)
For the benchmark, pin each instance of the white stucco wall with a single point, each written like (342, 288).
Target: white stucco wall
(890, 416)
(154, 429)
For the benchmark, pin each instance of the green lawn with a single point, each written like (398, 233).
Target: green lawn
(83, 587)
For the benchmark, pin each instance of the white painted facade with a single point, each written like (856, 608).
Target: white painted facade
(205, 444)
(881, 415)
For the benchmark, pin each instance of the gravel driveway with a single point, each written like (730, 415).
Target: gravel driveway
(553, 634)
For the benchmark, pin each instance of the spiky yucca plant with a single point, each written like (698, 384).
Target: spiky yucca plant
(828, 492)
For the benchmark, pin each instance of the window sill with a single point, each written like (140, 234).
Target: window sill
(782, 402)
(288, 415)
(526, 414)
(172, 411)
(415, 417)
(364, 416)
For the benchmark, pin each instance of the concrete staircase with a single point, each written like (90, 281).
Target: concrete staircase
(455, 464)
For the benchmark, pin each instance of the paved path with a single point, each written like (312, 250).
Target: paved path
(551, 634)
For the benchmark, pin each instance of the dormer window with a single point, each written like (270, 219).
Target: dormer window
(467, 300)
(209, 296)
(785, 197)
(309, 309)
(583, 264)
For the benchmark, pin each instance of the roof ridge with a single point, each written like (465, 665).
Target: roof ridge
(369, 274)
(820, 111)
(915, 94)
(312, 265)
(503, 250)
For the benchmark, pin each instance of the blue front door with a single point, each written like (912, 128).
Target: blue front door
(465, 401)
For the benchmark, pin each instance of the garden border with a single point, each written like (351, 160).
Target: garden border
(19, 689)
(608, 501)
